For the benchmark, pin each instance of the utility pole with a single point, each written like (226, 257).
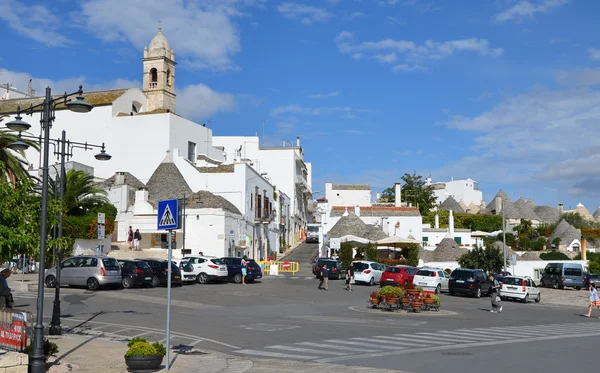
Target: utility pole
(504, 240)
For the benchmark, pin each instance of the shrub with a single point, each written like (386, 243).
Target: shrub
(436, 300)
(135, 340)
(554, 255)
(419, 288)
(346, 254)
(387, 290)
(160, 348)
(141, 349)
(50, 349)
(371, 252)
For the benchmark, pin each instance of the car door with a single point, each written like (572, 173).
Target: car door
(67, 271)
(377, 271)
(87, 267)
(443, 278)
(485, 283)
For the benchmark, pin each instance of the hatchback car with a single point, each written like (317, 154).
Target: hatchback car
(90, 271)
(211, 268)
(521, 288)
(234, 269)
(398, 276)
(468, 281)
(590, 278)
(335, 268)
(160, 272)
(188, 272)
(368, 272)
(432, 279)
(135, 273)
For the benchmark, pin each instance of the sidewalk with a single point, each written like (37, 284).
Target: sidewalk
(90, 354)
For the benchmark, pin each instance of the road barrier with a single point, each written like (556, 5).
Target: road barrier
(14, 329)
(279, 267)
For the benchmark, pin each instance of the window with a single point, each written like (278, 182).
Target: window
(110, 264)
(153, 75)
(426, 273)
(458, 240)
(69, 263)
(168, 77)
(425, 239)
(191, 151)
(441, 274)
(573, 272)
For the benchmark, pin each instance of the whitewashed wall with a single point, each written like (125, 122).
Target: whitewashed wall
(348, 198)
(80, 246)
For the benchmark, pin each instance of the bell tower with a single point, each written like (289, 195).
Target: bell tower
(159, 74)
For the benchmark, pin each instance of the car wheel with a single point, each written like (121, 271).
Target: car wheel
(237, 278)
(538, 298)
(127, 282)
(202, 278)
(577, 288)
(526, 299)
(371, 281)
(92, 284)
(155, 281)
(438, 289)
(478, 293)
(450, 293)
(50, 281)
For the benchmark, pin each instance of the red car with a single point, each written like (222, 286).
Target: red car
(398, 275)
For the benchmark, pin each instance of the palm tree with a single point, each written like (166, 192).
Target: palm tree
(81, 193)
(13, 165)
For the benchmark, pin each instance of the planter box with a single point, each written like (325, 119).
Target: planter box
(147, 362)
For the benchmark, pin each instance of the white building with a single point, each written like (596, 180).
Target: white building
(465, 191)
(432, 237)
(348, 194)
(284, 166)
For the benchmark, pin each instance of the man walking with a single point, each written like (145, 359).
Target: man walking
(244, 269)
(130, 238)
(494, 289)
(324, 284)
(137, 237)
(349, 277)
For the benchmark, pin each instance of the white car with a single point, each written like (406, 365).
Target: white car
(520, 287)
(432, 279)
(189, 274)
(209, 268)
(368, 272)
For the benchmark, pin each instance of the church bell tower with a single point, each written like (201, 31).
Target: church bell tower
(159, 74)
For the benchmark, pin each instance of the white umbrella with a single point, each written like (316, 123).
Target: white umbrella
(395, 241)
(355, 240)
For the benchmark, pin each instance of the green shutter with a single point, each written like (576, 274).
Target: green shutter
(425, 239)
(458, 240)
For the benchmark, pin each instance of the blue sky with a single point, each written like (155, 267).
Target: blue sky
(502, 91)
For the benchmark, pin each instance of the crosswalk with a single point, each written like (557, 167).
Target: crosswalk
(336, 350)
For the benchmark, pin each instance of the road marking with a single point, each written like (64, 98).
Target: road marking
(403, 341)
(308, 350)
(122, 330)
(360, 343)
(277, 354)
(389, 342)
(294, 277)
(436, 336)
(141, 334)
(329, 346)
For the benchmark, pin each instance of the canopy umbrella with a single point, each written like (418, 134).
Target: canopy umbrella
(396, 241)
(355, 240)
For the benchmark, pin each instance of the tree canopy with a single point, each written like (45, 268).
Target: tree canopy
(414, 191)
(489, 259)
(486, 223)
(13, 165)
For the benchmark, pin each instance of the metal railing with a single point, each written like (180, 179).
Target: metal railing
(14, 329)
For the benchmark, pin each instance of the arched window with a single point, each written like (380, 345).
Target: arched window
(168, 77)
(153, 75)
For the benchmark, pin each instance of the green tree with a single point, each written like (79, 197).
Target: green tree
(346, 253)
(578, 221)
(82, 193)
(414, 191)
(554, 255)
(371, 252)
(489, 259)
(411, 253)
(485, 223)
(13, 165)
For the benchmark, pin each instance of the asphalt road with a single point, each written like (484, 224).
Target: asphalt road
(288, 318)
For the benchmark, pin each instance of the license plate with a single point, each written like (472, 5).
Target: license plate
(177, 277)
(460, 281)
(422, 283)
(512, 288)
(148, 278)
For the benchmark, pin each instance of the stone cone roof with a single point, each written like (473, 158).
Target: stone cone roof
(566, 232)
(597, 214)
(547, 214)
(426, 255)
(473, 208)
(530, 255)
(526, 210)
(374, 233)
(167, 182)
(463, 205)
(448, 251)
(510, 212)
(204, 199)
(581, 210)
(349, 224)
(451, 204)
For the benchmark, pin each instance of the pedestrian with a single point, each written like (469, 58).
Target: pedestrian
(494, 291)
(6, 299)
(244, 269)
(324, 284)
(130, 237)
(137, 237)
(594, 299)
(349, 277)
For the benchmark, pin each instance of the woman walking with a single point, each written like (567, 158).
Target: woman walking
(594, 299)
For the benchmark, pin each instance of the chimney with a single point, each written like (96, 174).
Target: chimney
(345, 211)
(119, 178)
(378, 197)
(357, 210)
(398, 192)
(428, 181)
(437, 220)
(583, 248)
(451, 223)
(298, 141)
(141, 195)
(498, 205)
(561, 208)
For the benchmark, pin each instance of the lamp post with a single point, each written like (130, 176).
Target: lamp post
(47, 108)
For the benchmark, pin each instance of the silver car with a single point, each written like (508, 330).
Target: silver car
(90, 271)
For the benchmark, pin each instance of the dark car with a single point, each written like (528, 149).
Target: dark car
(398, 276)
(472, 282)
(135, 273)
(234, 269)
(316, 262)
(334, 266)
(160, 270)
(500, 276)
(589, 278)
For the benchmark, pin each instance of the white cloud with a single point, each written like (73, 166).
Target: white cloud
(36, 22)
(354, 15)
(413, 54)
(344, 111)
(594, 54)
(305, 13)
(527, 9)
(199, 101)
(202, 33)
(325, 95)
(580, 77)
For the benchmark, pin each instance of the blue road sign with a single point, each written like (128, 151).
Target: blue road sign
(168, 214)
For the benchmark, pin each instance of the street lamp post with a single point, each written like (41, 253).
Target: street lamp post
(47, 107)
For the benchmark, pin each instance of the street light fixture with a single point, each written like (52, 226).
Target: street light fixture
(18, 145)
(47, 108)
(103, 155)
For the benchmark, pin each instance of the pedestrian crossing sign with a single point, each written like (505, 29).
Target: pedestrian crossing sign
(168, 217)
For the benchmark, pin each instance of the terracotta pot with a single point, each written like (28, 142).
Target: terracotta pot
(416, 304)
(392, 300)
(428, 300)
(412, 292)
(374, 300)
(405, 300)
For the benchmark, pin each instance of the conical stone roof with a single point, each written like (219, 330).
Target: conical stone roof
(566, 232)
(526, 210)
(581, 210)
(349, 224)
(473, 208)
(374, 233)
(451, 204)
(530, 255)
(597, 214)
(510, 212)
(448, 251)
(547, 214)
(167, 182)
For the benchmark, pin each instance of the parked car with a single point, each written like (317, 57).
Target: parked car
(335, 267)
(160, 272)
(188, 272)
(589, 278)
(432, 279)
(316, 264)
(135, 273)
(90, 271)
(211, 268)
(500, 275)
(398, 275)
(520, 287)
(312, 233)
(234, 269)
(368, 272)
(468, 281)
(561, 275)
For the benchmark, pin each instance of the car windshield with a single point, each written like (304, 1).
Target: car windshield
(110, 264)
(330, 263)
(313, 228)
(218, 261)
(426, 273)
(462, 275)
(393, 270)
(512, 281)
(359, 267)
(187, 267)
(142, 265)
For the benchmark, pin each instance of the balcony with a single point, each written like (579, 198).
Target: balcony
(268, 216)
(302, 183)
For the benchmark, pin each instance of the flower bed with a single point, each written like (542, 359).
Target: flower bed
(414, 299)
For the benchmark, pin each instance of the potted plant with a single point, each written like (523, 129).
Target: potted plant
(143, 355)
(436, 300)
(390, 290)
(374, 299)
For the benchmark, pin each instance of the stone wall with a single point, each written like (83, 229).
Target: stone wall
(13, 362)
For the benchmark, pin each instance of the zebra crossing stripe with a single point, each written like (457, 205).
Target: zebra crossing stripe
(276, 354)
(405, 337)
(328, 346)
(307, 350)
